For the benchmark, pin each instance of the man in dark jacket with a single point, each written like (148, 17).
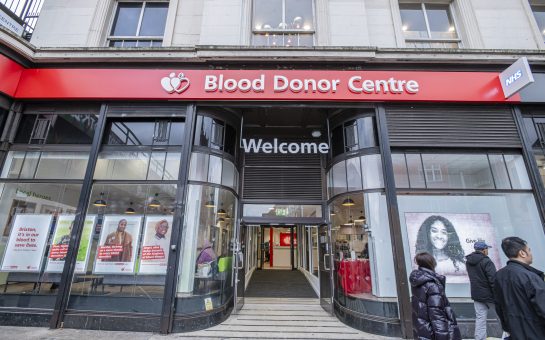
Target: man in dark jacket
(481, 271)
(519, 291)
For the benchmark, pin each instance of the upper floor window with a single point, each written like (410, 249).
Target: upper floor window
(283, 23)
(427, 25)
(539, 14)
(138, 24)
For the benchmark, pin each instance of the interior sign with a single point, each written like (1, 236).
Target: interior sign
(256, 146)
(516, 77)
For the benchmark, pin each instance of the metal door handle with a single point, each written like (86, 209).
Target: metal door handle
(325, 267)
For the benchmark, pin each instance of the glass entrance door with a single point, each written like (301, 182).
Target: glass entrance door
(239, 251)
(325, 268)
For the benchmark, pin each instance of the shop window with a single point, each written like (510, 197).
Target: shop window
(30, 215)
(428, 25)
(283, 23)
(138, 24)
(56, 129)
(462, 220)
(45, 165)
(355, 174)
(539, 15)
(207, 258)
(363, 261)
(353, 135)
(461, 171)
(215, 134)
(213, 169)
(128, 243)
(159, 132)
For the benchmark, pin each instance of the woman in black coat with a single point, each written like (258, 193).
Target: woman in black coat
(432, 315)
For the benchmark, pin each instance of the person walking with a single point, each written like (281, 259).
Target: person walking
(482, 272)
(519, 291)
(433, 318)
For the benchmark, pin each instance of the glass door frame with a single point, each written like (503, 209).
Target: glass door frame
(325, 268)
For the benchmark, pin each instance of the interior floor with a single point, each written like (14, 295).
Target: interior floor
(279, 284)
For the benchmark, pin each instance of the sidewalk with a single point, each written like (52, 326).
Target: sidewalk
(35, 333)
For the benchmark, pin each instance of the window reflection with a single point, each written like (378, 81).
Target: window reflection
(428, 25)
(206, 262)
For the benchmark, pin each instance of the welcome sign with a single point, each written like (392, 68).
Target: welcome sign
(253, 145)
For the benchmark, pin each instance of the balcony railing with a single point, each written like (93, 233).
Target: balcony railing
(24, 13)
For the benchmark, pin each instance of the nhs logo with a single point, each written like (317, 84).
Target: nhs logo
(512, 78)
(516, 77)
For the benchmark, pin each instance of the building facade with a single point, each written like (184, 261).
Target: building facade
(137, 134)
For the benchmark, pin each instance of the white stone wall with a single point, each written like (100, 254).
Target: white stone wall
(221, 22)
(64, 23)
(380, 23)
(347, 23)
(503, 24)
(188, 23)
(489, 24)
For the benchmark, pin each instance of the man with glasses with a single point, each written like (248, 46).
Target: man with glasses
(519, 291)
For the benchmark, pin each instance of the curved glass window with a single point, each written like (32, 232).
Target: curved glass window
(215, 134)
(213, 169)
(206, 260)
(355, 174)
(353, 135)
(364, 274)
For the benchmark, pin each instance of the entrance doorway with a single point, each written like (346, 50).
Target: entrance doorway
(278, 248)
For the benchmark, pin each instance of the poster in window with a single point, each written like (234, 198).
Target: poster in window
(154, 252)
(285, 239)
(118, 243)
(449, 238)
(61, 239)
(26, 244)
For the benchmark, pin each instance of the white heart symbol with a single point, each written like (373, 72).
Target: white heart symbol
(175, 83)
(184, 83)
(165, 82)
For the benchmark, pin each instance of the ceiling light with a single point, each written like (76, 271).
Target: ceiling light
(404, 28)
(316, 133)
(451, 29)
(348, 202)
(332, 213)
(100, 202)
(210, 203)
(155, 202)
(130, 209)
(360, 219)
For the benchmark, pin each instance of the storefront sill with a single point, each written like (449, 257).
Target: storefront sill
(25, 316)
(368, 323)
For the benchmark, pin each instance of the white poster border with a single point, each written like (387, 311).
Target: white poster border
(43, 248)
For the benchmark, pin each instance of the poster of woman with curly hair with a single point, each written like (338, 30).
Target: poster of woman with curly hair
(449, 238)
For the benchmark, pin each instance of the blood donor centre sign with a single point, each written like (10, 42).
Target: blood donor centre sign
(26, 245)
(300, 85)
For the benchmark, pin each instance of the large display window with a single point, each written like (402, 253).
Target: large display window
(39, 192)
(447, 226)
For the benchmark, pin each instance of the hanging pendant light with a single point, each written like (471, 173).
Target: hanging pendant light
(210, 203)
(100, 202)
(332, 213)
(360, 219)
(348, 202)
(155, 202)
(130, 209)
(221, 211)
